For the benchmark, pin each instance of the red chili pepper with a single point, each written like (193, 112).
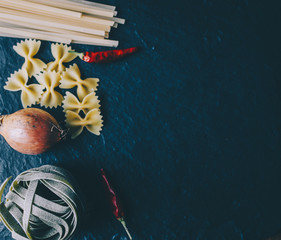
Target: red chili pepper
(115, 203)
(105, 56)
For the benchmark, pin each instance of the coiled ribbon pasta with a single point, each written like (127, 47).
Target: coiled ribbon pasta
(42, 203)
(28, 49)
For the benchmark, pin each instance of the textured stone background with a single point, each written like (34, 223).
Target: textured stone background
(192, 123)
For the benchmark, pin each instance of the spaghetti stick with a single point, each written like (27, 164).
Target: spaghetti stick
(100, 24)
(75, 37)
(115, 19)
(67, 21)
(31, 18)
(98, 20)
(109, 7)
(93, 5)
(26, 6)
(90, 43)
(44, 28)
(76, 7)
(35, 7)
(80, 39)
(86, 22)
(18, 33)
(13, 32)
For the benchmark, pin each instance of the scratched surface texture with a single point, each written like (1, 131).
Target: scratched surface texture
(192, 123)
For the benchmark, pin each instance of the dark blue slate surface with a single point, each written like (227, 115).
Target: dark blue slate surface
(192, 123)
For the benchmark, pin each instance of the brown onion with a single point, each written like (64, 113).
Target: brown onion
(30, 130)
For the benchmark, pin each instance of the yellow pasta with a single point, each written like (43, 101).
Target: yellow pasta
(89, 102)
(30, 93)
(92, 121)
(28, 49)
(52, 75)
(50, 80)
(62, 55)
(72, 78)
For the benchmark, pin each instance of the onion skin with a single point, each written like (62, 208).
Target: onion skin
(30, 130)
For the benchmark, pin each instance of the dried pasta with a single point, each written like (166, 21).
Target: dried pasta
(89, 102)
(72, 78)
(28, 49)
(50, 80)
(92, 121)
(62, 55)
(49, 77)
(42, 203)
(30, 93)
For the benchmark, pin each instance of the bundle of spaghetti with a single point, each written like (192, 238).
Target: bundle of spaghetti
(65, 21)
(42, 203)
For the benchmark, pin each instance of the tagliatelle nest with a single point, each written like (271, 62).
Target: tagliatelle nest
(42, 203)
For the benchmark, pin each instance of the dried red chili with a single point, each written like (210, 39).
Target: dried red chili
(105, 56)
(115, 203)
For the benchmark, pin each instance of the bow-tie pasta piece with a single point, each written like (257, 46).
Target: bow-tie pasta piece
(28, 49)
(62, 55)
(30, 93)
(89, 102)
(50, 97)
(92, 121)
(72, 78)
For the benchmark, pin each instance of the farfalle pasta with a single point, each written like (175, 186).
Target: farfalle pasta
(92, 121)
(28, 49)
(50, 80)
(72, 78)
(51, 76)
(62, 55)
(71, 103)
(30, 93)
